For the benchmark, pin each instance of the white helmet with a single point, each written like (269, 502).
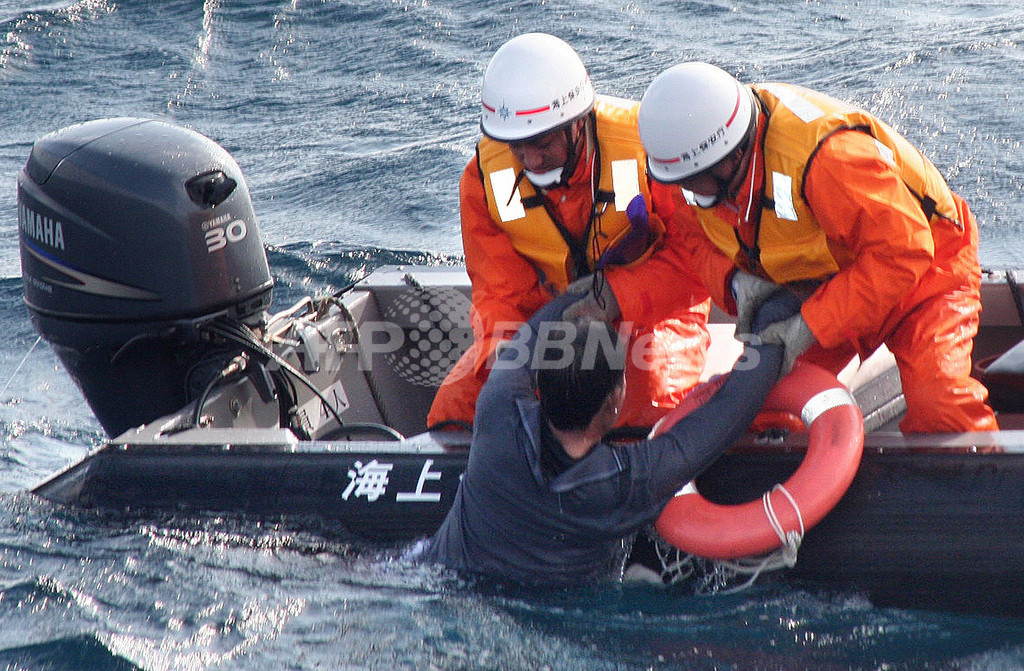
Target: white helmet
(533, 84)
(691, 117)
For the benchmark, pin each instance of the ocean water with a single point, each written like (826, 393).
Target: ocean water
(352, 121)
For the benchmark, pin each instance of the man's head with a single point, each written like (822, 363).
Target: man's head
(697, 124)
(534, 94)
(546, 157)
(578, 375)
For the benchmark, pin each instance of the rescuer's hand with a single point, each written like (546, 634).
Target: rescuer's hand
(749, 291)
(794, 334)
(598, 300)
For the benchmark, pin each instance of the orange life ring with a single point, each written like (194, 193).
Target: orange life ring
(835, 444)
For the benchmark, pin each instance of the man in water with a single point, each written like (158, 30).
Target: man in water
(544, 499)
(789, 186)
(557, 198)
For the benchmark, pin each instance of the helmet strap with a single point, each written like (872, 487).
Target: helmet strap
(747, 149)
(575, 148)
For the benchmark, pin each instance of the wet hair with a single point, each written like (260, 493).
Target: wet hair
(577, 372)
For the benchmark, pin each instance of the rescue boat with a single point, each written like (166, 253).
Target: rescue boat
(145, 271)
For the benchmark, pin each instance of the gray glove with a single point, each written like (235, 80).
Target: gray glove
(794, 334)
(750, 291)
(590, 306)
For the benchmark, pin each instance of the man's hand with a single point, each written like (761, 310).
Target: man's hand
(750, 291)
(794, 334)
(600, 305)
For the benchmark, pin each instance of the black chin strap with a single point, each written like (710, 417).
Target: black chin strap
(577, 248)
(570, 165)
(567, 170)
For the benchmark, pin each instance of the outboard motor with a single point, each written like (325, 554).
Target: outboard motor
(134, 233)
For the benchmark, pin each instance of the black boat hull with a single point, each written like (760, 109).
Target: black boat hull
(926, 523)
(919, 527)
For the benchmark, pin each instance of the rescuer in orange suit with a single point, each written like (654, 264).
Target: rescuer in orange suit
(557, 199)
(790, 187)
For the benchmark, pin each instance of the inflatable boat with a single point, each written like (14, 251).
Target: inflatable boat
(145, 270)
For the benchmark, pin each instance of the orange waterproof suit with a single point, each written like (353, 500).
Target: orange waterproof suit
(524, 249)
(843, 206)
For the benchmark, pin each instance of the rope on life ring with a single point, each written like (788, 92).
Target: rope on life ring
(835, 444)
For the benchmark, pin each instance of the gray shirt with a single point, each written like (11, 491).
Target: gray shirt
(514, 519)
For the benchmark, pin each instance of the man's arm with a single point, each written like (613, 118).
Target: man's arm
(505, 285)
(687, 447)
(640, 290)
(862, 203)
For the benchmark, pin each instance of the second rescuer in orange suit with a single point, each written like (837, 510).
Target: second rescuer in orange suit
(826, 198)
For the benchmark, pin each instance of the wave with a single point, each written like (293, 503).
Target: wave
(305, 268)
(21, 27)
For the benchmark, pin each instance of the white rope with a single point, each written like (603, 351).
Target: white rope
(678, 566)
(790, 541)
(712, 576)
(752, 566)
(23, 360)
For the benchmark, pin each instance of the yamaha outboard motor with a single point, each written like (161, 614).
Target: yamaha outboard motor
(133, 233)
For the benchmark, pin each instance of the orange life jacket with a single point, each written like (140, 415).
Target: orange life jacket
(519, 209)
(789, 245)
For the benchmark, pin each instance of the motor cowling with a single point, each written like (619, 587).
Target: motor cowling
(132, 232)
